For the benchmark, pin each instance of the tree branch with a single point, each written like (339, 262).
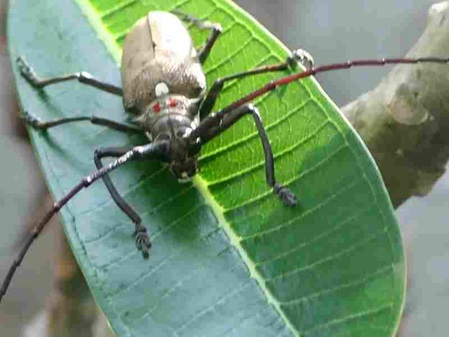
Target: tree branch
(404, 121)
(72, 311)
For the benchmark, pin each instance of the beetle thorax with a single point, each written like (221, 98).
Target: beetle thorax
(168, 114)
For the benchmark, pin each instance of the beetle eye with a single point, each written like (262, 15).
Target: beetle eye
(183, 132)
(198, 91)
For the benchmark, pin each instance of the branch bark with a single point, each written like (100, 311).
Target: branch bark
(72, 310)
(404, 121)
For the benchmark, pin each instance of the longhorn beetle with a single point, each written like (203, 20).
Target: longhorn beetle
(164, 90)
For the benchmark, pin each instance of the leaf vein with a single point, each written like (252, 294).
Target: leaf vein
(329, 258)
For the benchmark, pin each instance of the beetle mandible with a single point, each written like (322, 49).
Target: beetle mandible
(164, 90)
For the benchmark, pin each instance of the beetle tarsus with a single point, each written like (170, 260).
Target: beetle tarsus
(26, 70)
(301, 56)
(143, 243)
(286, 196)
(32, 120)
(201, 24)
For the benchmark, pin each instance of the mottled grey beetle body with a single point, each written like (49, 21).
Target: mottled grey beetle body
(164, 91)
(161, 73)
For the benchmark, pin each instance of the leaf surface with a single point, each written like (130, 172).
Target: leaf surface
(228, 258)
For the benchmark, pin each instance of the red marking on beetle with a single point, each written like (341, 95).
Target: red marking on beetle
(157, 108)
(172, 102)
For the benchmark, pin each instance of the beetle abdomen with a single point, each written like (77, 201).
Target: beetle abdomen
(159, 49)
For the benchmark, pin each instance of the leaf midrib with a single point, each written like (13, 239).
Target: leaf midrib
(235, 240)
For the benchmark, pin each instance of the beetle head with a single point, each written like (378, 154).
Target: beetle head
(184, 154)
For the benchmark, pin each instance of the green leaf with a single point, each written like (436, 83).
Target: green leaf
(228, 258)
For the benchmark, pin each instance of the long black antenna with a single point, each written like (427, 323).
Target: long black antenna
(328, 67)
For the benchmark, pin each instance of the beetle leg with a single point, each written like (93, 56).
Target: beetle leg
(215, 124)
(36, 123)
(149, 151)
(82, 77)
(203, 53)
(140, 233)
(211, 97)
(298, 55)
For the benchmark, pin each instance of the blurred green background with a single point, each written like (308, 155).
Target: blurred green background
(331, 31)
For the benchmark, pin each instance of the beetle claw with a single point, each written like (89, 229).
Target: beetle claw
(286, 196)
(301, 56)
(143, 243)
(25, 69)
(31, 120)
